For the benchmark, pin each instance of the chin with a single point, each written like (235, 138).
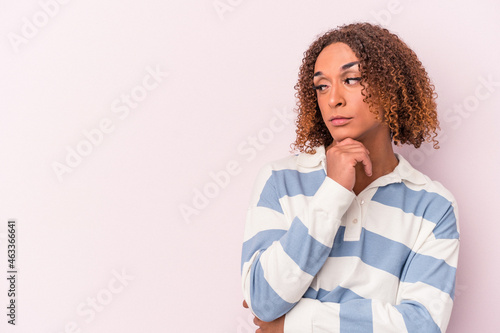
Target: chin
(339, 137)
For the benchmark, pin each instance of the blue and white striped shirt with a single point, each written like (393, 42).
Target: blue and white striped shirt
(382, 261)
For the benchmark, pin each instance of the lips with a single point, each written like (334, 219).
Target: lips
(339, 120)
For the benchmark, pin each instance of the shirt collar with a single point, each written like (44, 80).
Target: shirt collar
(406, 171)
(403, 171)
(312, 160)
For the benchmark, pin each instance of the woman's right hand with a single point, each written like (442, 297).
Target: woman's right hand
(342, 158)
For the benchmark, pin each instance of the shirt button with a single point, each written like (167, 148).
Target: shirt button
(362, 201)
(355, 221)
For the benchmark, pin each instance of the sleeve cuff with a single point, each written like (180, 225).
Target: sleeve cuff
(300, 318)
(333, 198)
(329, 204)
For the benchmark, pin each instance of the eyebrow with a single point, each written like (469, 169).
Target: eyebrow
(343, 67)
(349, 65)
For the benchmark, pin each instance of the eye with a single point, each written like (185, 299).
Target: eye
(352, 80)
(320, 87)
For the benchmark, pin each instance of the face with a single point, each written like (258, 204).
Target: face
(338, 89)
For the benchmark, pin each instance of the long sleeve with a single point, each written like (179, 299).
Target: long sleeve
(425, 292)
(283, 251)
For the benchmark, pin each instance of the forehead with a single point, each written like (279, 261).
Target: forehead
(333, 57)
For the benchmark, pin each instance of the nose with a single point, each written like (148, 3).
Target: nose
(336, 97)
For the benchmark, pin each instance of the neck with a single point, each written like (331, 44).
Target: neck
(383, 161)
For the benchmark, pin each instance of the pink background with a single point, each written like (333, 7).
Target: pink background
(229, 72)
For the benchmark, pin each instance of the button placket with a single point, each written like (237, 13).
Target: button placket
(353, 222)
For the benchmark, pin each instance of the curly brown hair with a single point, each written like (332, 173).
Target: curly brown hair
(397, 81)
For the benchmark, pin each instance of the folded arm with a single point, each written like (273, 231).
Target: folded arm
(282, 254)
(425, 294)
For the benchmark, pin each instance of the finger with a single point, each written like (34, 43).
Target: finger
(344, 142)
(355, 156)
(245, 305)
(257, 321)
(351, 143)
(367, 165)
(352, 148)
(348, 153)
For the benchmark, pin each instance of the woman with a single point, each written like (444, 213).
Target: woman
(347, 236)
